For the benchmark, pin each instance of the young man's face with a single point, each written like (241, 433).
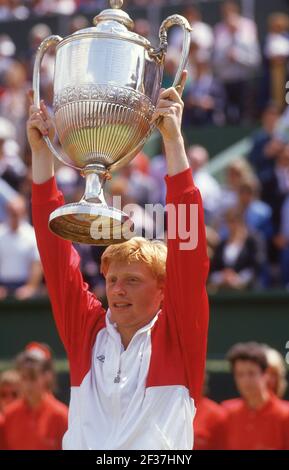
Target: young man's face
(249, 377)
(32, 383)
(134, 295)
(8, 393)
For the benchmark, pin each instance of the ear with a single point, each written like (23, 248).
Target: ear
(162, 292)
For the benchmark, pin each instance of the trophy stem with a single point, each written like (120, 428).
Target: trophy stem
(95, 178)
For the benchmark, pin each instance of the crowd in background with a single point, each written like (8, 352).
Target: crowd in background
(233, 79)
(32, 418)
(246, 215)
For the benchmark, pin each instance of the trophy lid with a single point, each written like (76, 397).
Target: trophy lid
(114, 14)
(113, 23)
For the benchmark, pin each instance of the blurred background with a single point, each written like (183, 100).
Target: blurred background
(236, 127)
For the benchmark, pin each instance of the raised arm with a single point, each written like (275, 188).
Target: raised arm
(185, 301)
(78, 314)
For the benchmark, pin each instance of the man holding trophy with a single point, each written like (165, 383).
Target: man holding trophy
(136, 370)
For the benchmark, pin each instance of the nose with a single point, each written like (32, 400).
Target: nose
(119, 288)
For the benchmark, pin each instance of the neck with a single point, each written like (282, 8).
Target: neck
(127, 335)
(258, 400)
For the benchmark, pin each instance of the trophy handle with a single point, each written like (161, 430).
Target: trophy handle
(159, 56)
(42, 49)
(175, 20)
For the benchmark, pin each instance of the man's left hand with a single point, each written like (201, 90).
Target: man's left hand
(170, 108)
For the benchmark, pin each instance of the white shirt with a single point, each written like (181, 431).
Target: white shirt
(113, 409)
(18, 250)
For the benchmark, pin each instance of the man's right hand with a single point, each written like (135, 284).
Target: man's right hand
(39, 124)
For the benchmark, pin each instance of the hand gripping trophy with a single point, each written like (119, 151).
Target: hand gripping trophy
(107, 81)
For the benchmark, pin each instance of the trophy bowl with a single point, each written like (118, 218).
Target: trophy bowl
(107, 81)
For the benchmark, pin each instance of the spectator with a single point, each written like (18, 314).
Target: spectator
(13, 101)
(209, 425)
(5, 10)
(236, 173)
(7, 52)
(264, 145)
(41, 351)
(141, 187)
(12, 168)
(210, 190)
(258, 420)
(6, 194)
(18, 10)
(275, 187)
(77, 23)
(9, 388)
(238, 258)
(276, 53)
(236, 58)
(37, 421)
(257, 214)
(204, 96)
(20, 268)
(276, 372)
(201, 36)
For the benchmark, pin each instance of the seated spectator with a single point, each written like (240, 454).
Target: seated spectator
(209, 188)
(201, 34)
(7, 52)
(12, 168)
(238, 258)
(236, 173)
(20, 267)
(204, 96)
(257, 214)
(264, 146)
(13, 101)
(275, 187)
(6, 194)
(141, 187)
(258, 420)
(236, 58)
(37, 421)
(276, 54)
(9, 388)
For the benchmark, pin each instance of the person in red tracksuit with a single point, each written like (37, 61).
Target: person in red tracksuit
(36, 420)
(210, 425)
(136, 370)
(258, 420)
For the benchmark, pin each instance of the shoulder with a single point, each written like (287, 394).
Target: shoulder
(14, 409)
(280, 407)
(232, 405)
(57, 410)
(55, 406)
(214, 409)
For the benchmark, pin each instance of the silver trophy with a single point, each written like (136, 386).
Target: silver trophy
(106, 85)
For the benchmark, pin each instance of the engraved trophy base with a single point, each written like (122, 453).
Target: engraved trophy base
(92, 221)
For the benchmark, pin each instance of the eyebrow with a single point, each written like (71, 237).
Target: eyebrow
(127, 274)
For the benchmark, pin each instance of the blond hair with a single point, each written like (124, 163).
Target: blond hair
(151, 252)
(277, 365)
(10, 377)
